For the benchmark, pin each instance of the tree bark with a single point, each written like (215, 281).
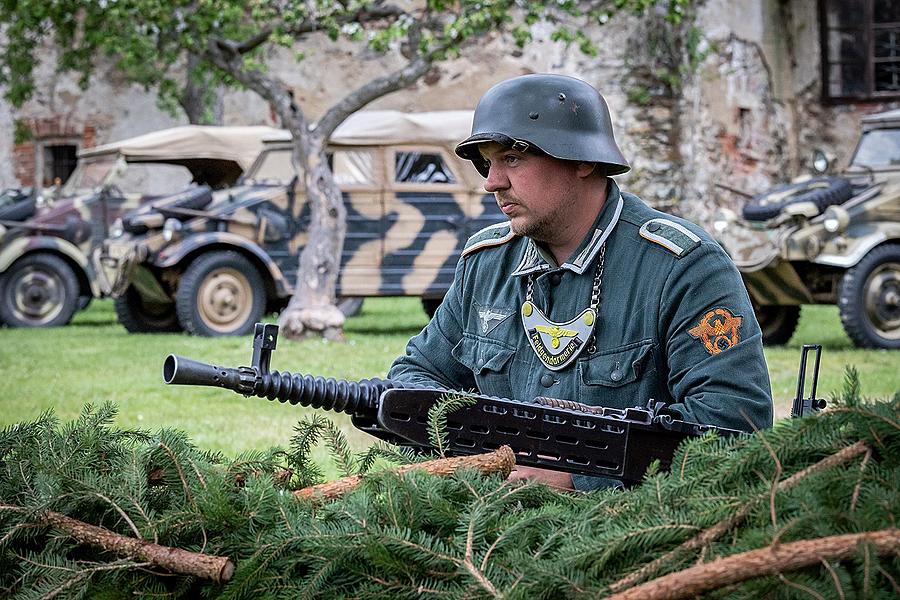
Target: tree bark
(500, 461)
(216, 568)
(756, 563)
(202, 105)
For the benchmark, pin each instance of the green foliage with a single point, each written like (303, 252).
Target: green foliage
(465, 536)
(437, 418)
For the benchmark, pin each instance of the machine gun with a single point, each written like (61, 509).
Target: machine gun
(546, 432)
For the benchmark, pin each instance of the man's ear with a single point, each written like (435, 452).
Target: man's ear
(586, 169)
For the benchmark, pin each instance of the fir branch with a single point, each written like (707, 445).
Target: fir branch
(705, 537)
(340, 449)
(437, 418)
(176, 560)
(500, 461)
(763, 561)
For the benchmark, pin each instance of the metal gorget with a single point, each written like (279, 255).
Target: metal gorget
(558, 344)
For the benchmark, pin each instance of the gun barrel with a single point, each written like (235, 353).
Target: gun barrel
(180, 370)
(351, 397)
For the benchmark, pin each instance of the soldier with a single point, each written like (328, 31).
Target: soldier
(586, 293)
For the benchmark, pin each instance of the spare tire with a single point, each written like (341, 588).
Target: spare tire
(821, 191)
(193, 198)
(20, 210)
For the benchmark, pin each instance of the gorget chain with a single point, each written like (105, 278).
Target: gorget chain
(595, 294)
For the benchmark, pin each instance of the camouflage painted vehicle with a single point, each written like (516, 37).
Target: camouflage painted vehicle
(831, 239)
(46, 242)
(411, 205)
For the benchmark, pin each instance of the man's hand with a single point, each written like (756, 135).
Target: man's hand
(554, 479)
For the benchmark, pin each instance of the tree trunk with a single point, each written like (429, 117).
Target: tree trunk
(202, 103)
(312, 310)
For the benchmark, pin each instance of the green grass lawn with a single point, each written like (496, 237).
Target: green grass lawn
(94, 359)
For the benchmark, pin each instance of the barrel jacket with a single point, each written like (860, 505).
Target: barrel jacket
(674, 323)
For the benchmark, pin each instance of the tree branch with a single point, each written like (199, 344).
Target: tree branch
(712, 533)
(205, 566)
(500, 461)
(772, 560)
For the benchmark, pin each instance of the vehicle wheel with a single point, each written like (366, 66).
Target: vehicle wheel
(220, 293)
(138, 316)
(431, 305)
(38, 290)
(869, 299)
(777, 322)
(821, 191)
(350, 306)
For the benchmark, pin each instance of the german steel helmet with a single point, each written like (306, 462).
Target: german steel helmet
(561, 116)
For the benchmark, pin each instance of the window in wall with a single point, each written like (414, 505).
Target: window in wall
(416, 167)
(59, 162)
(860, 49)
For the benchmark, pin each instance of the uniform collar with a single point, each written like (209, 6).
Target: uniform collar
(536, 260)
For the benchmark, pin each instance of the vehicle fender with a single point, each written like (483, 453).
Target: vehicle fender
(23, 245)
(858, 247)
(19, 247)
(175, 253)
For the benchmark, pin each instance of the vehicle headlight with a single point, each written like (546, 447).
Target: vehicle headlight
(171, 229)
(116, 230)
(836, 219)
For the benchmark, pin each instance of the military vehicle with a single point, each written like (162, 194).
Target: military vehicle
(411, 205)
(833, 238)
(46, 241)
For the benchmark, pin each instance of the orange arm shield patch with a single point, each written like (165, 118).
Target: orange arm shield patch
(718, 330)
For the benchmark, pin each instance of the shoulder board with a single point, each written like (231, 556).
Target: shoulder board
(674, 237)
(492, 235)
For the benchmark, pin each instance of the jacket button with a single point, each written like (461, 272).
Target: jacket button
(653, 226)
(616, 375)
(555, 278)
(547, 380)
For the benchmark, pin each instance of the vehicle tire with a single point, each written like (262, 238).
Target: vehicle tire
(220, 293)
(430, 305)
(138, 316)
(350, 306)
(38, 290)
(778, 322)
(869, 299)
(821, 191)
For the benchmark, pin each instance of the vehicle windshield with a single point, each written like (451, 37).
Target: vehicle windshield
(152, 179)
(88, 175)
(878, 148)
(273, 166)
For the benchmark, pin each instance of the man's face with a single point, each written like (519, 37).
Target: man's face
(535, 192)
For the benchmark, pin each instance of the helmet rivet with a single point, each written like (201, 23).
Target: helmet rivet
(533, 116)
(562, 97)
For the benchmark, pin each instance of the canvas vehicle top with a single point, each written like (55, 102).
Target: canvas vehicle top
(832, 238)
(411, 205)
(46, 241)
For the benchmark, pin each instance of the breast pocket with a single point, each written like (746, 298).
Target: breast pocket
(489, 360)
(619, 377)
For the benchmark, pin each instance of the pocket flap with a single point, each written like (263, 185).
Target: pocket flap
(480, 354)
(618, 366)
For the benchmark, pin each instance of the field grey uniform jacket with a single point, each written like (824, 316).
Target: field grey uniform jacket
(674, 322)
